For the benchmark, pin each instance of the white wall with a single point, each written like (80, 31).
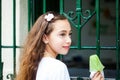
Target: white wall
(7, 32)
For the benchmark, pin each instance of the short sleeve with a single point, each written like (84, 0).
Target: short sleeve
(52, 69)
(61, 73)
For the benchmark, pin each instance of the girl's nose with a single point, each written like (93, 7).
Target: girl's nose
(68, 40)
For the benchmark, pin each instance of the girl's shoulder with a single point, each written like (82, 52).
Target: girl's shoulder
(52, 69)
(52, 63)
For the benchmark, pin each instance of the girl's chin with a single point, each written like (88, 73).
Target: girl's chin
(65, 53)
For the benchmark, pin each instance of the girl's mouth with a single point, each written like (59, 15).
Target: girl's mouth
(66, 47)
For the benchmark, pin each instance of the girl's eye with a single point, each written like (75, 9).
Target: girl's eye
(63, 34)
(70, 34)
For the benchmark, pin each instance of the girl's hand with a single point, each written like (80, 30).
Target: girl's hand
(97, 76)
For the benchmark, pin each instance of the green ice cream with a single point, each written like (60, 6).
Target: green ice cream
(95, 63)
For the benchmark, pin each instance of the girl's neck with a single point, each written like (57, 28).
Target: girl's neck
(47, 54)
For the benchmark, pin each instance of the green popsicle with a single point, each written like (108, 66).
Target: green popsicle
(95, 63)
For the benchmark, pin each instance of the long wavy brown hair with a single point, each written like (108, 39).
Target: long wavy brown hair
(34, 46)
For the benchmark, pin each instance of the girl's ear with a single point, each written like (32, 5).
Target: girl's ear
(45, 39)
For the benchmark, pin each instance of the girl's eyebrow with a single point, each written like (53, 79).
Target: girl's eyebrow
(65, 31)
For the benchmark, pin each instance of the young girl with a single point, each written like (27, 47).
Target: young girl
(49, 36)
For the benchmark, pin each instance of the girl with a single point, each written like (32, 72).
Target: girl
(49, 36)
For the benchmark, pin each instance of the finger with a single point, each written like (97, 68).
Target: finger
(101, 78)
(97, 74)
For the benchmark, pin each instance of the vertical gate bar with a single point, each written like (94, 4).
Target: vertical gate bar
(1, 63)
(33, 11)
(29, 14)
(61, 7)
(79, 12)
(44, 6)
(14, 37)
(97, 8)
(117, 41)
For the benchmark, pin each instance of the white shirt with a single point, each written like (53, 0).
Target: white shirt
(52, 69)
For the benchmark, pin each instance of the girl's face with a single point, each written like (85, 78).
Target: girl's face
(59, 40)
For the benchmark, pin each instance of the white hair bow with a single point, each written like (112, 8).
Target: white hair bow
(49, 17)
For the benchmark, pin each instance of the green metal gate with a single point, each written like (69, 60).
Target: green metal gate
(78, 22)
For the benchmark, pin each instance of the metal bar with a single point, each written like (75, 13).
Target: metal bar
(117, 41)
(101, 47)
(29, 14)
(11, 46)
(70, 20)
(61, 12)
(88, 18)
(97, 8)
(74, 47)
(61, 6)
(44, 6)
(14, 37)
(94, 47)
(79, 12)
(33, 11)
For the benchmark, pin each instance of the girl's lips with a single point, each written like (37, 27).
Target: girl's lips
(66, 47)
